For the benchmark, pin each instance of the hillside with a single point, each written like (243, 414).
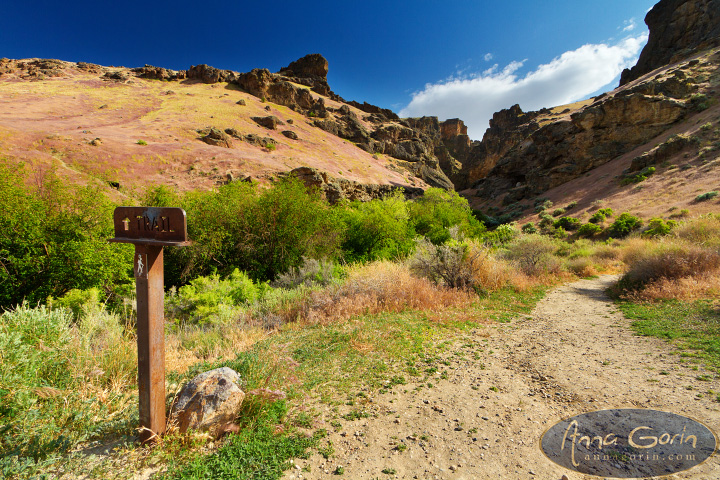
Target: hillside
(202, 127)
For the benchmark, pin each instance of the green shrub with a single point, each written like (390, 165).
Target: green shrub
(500, 236)
(624, 225)
(699, 102)
(311, 272)
(639, 177)
(568, 223)
(558, 211)
(81, 303)
(262, 231)
(589, 230)
(659, 227)
(212, 299)
(597, 217)
(141, 142)
(529, 228)
(54, 239)
(380, 229)
(706, 196)
(571, 205)
(438, 210)
(533, 254)
(608, 212)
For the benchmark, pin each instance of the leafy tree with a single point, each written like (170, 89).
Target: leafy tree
(380, 229)
(53, 238)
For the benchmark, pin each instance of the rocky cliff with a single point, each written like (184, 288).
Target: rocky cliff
(524, 154)
(677, 29)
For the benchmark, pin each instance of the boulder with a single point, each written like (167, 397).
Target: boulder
(290, 134)
(271, 122)
(217, 138)
(209, 402)
(309, 66)
(208, 74)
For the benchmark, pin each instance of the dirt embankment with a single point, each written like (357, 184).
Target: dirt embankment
(505, 388)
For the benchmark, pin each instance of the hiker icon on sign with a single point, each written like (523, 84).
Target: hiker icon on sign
(141, 265)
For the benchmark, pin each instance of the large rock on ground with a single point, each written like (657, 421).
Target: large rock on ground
(209, 402)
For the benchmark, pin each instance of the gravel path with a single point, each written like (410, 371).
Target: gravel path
(504, 388)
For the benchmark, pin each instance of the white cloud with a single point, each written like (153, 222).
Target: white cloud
(488, 57)
(629, 25)
(567, 78)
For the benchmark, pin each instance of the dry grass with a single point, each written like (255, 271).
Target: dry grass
(685, 265)
(369, 289)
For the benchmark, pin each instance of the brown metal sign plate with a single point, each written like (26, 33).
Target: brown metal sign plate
(150, 226)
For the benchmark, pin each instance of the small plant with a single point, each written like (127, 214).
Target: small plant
(401, 447)
(339, 470)
(389, 471)
(589, 230)
(707, 126)
(558, 211)
(640, 177)
(568, 223)
(659, 227)
(700, 102)
(571, 205)
(271, 146)
(141, 142)
(624, 225)
(706, 196)
(529, 228)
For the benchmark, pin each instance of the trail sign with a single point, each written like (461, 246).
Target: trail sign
(150, 229)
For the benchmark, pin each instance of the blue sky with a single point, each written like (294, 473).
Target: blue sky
(446, 58)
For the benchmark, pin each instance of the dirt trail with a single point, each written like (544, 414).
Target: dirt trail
(574, 354)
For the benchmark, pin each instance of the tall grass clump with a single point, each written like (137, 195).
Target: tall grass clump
(683, 265)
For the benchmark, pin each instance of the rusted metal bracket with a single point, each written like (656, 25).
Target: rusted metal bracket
(150, 229)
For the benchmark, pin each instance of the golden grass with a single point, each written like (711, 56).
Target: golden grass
(381, 286)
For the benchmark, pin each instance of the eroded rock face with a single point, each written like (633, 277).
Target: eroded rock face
(337, 189)
(309, 66)
(209, 402)
(677, 28)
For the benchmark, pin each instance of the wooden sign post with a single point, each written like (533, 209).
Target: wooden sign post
(150, 229)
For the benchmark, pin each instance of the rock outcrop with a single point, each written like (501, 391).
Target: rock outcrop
(338, 189)
(677, 29)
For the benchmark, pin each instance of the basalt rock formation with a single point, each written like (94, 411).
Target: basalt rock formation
(677, 29)
(524, 154)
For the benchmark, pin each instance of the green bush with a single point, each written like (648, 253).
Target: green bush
(706, 196)
(597, 217)
(571, 205)
(659, 227)
(589, 230)
(212, 299)
(639, 177)
(529, 228)
(81, 303)
(568, 223)
(502, 235)
(438, 210)
(624, 225)
(380, 229)
(263, 231)
(54, 239)
(558, 211)
(533, 254)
